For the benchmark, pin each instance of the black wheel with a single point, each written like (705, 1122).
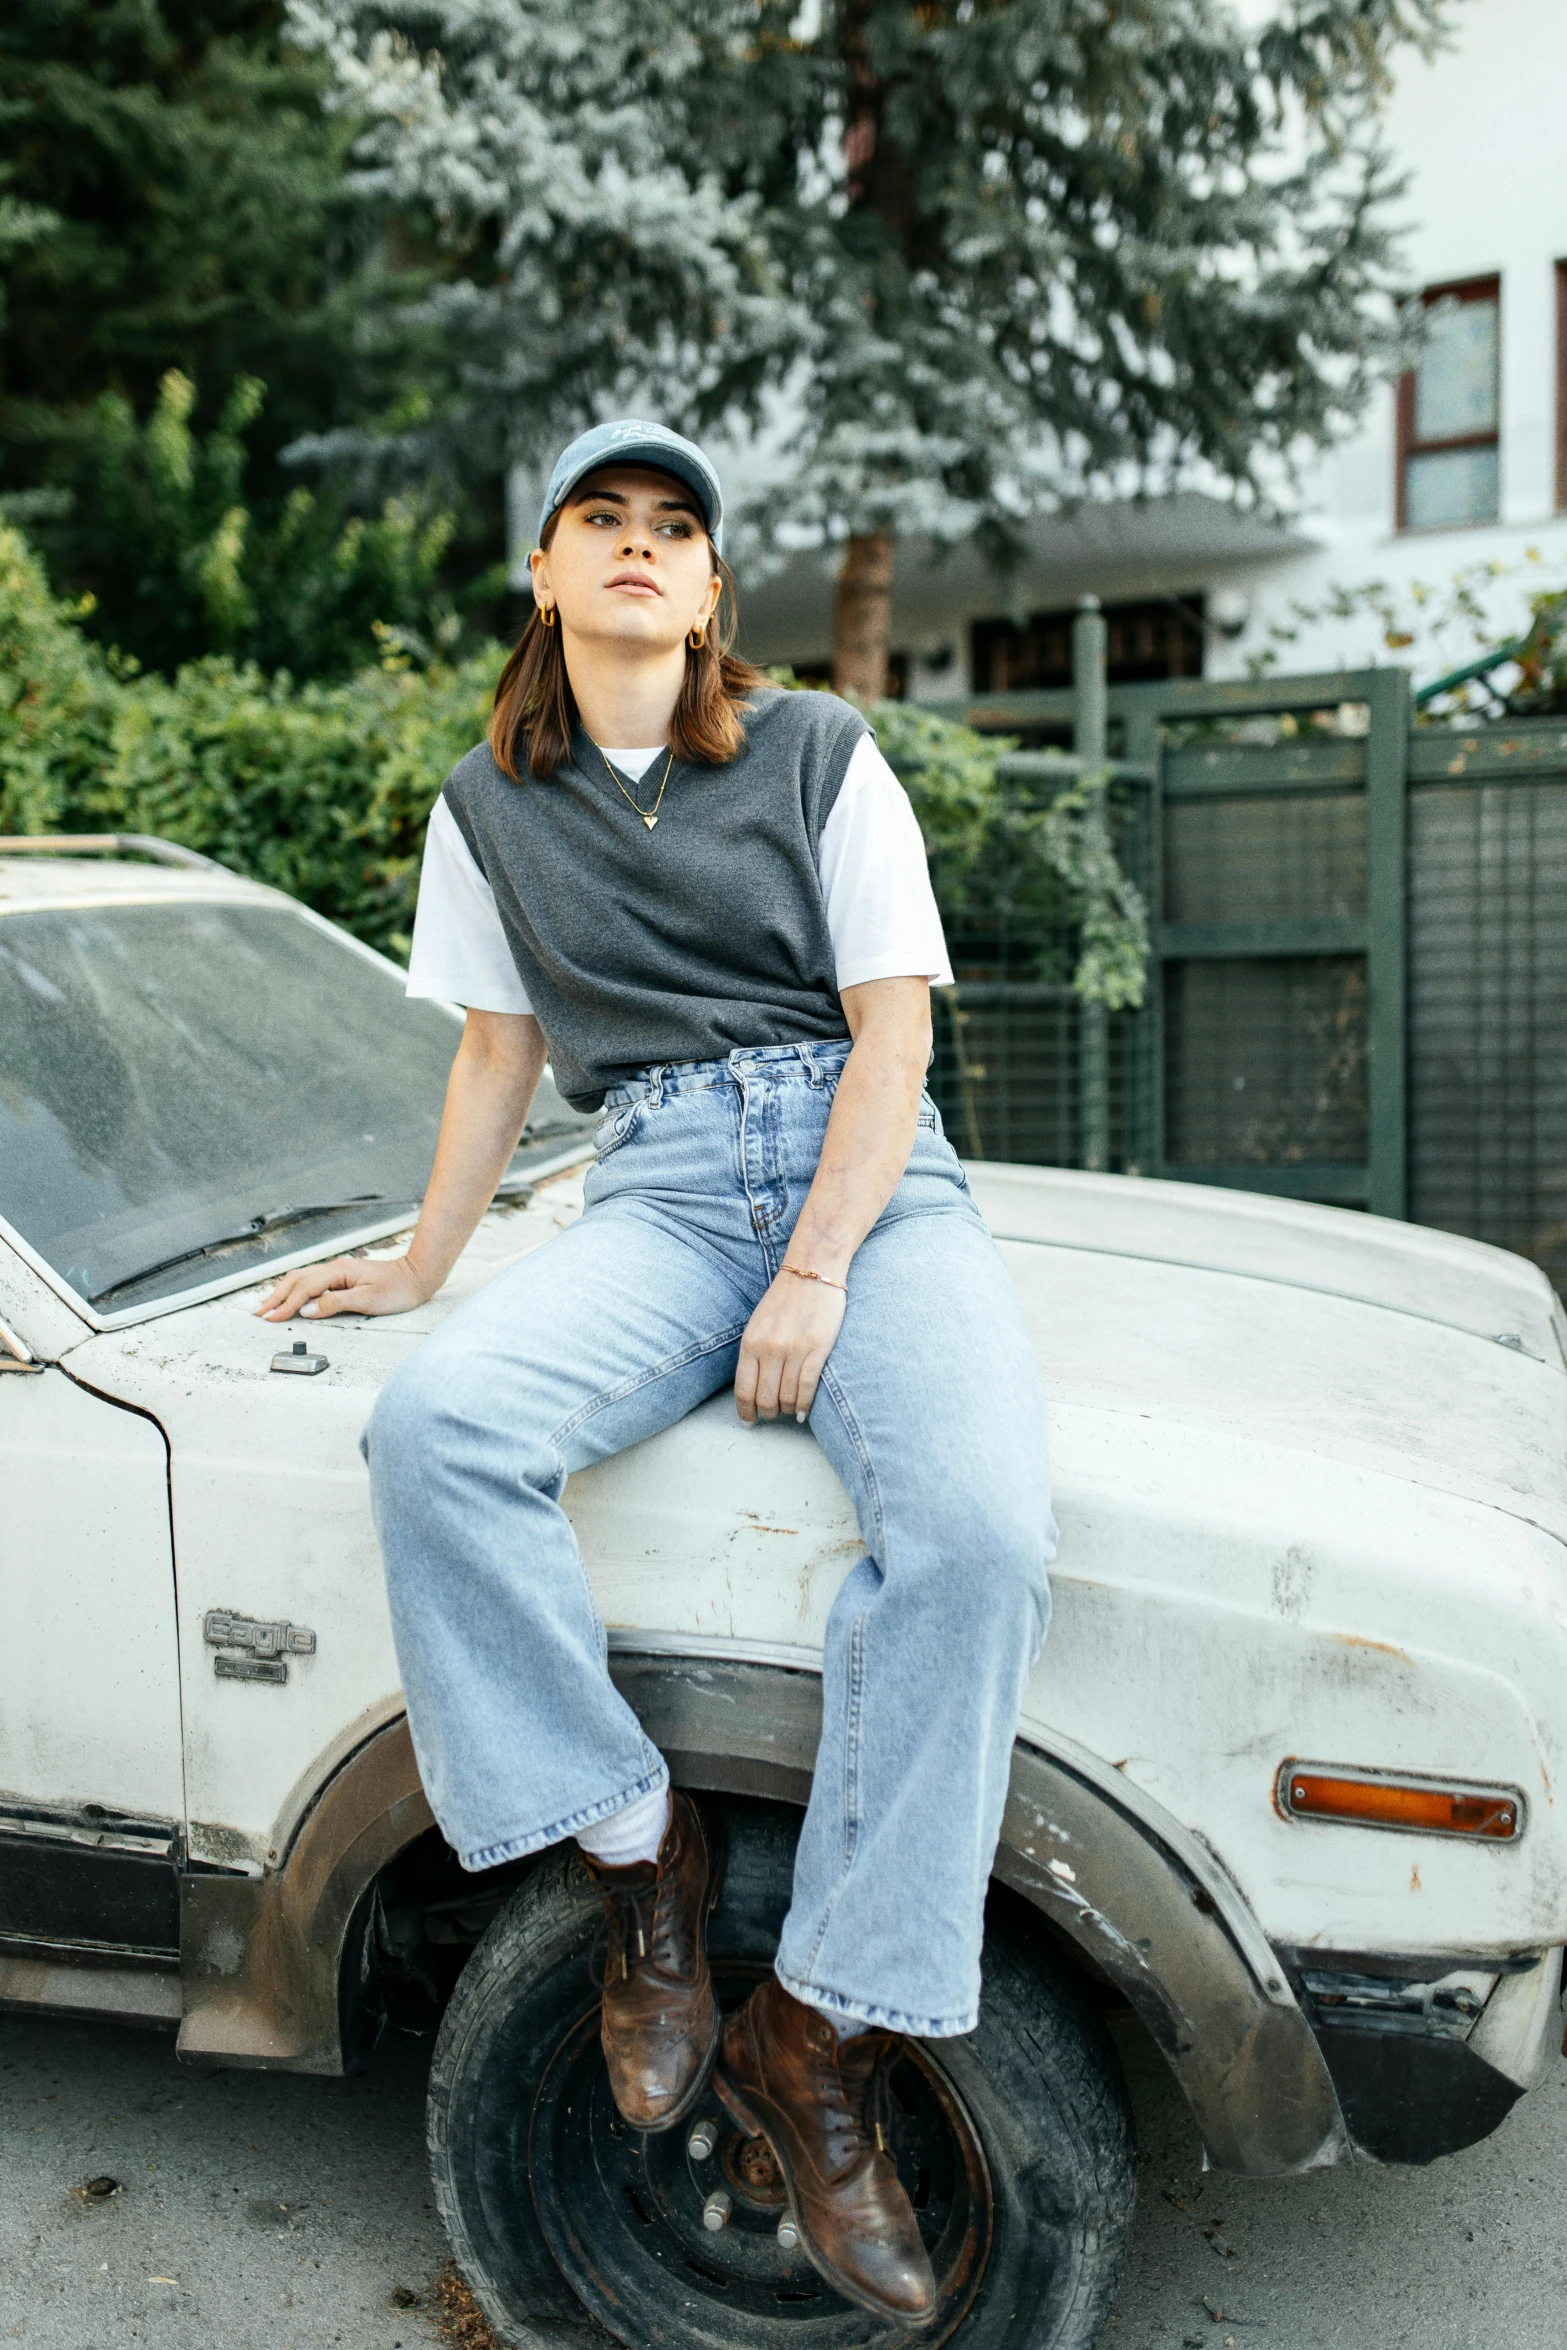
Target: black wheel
(1014, 2143)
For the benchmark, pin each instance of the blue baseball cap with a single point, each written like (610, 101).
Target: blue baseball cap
(631, 442)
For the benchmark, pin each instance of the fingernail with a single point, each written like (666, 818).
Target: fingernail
(311, 1310)
(800, 1419)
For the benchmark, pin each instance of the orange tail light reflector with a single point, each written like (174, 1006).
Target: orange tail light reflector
(1418, 1807)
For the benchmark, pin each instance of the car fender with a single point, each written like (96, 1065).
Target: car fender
(262, 1955)
(264, 1958)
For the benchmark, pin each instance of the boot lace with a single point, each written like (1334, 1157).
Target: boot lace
(856, 2098)
(630, 1923)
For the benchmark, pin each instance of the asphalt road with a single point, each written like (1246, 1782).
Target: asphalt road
(259, 2212)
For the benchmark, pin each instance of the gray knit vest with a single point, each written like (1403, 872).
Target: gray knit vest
(680, 943)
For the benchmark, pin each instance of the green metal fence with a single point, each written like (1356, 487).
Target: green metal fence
(1358, 983)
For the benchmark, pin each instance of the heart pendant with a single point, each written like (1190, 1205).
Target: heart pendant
(650, 821)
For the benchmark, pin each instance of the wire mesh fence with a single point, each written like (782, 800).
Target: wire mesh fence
(1265, 1062)
(1274, 975)
(1488, 1012)
(1010, 1067)
(1276, 858)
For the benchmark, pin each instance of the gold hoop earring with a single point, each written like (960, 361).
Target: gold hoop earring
(696, 637)
(547, 615)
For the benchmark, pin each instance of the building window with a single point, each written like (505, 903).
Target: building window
(1449, 412)
(1146, 642)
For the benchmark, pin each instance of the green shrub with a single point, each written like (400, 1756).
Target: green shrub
(159, 530)
(1541, 690)
(322, 790)
(58, 699)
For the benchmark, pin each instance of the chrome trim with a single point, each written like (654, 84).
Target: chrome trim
(360, 1236)
(18, 1355)
(110, 844)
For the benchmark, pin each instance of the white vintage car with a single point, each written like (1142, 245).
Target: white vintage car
(1287, 1771)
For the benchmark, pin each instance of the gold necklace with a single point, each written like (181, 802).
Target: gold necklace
(649, 817)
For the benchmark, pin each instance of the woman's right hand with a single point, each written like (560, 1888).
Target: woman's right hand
(345, 1285)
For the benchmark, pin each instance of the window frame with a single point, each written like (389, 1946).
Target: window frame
(1560, 274)
(1465, 289)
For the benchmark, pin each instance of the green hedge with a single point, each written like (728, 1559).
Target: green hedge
(322, 790)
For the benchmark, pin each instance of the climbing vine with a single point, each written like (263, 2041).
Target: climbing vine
(1005, 858)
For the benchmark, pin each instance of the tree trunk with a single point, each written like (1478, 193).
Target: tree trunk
(863, 617)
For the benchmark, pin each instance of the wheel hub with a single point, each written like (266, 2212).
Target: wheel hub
(623, 2214)
(749, 2166)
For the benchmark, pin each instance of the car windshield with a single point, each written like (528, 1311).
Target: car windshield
(193, 1088)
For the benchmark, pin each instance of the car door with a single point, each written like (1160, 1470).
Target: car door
(91, 1790)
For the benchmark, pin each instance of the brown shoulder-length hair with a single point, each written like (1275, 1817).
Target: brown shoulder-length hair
(535, 708)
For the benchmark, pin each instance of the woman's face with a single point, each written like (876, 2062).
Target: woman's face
(629, 561)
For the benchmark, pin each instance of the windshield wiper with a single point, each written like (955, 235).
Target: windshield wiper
(273, 1220)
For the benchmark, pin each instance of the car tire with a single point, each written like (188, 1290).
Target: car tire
(1015, 2142)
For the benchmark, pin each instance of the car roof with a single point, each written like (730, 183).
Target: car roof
(28, 882)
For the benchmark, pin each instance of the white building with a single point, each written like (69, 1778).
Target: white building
(1461, 466)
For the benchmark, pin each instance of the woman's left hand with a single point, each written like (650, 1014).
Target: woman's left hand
(785, 1347)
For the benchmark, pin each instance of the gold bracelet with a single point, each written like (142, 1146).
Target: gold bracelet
(801, 1274)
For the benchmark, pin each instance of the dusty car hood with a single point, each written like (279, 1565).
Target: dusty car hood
(1413, 1352)
(1308, 1505)
(1406, 1268)
(1410, 1352)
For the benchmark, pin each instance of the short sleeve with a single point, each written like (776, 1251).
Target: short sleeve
(881, 909)
(459, 947)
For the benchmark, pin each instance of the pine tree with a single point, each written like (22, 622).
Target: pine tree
(993, 255)
(592, 262)
(1065, 248)
(171, 196)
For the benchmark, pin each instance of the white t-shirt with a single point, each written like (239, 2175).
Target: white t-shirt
(881, 910)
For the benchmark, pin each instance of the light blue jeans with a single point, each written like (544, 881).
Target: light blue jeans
(930, 1411)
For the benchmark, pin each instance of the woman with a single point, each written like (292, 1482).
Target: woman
(707, 900)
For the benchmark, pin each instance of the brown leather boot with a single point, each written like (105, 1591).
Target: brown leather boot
(660, 2020)
(784, 2074)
